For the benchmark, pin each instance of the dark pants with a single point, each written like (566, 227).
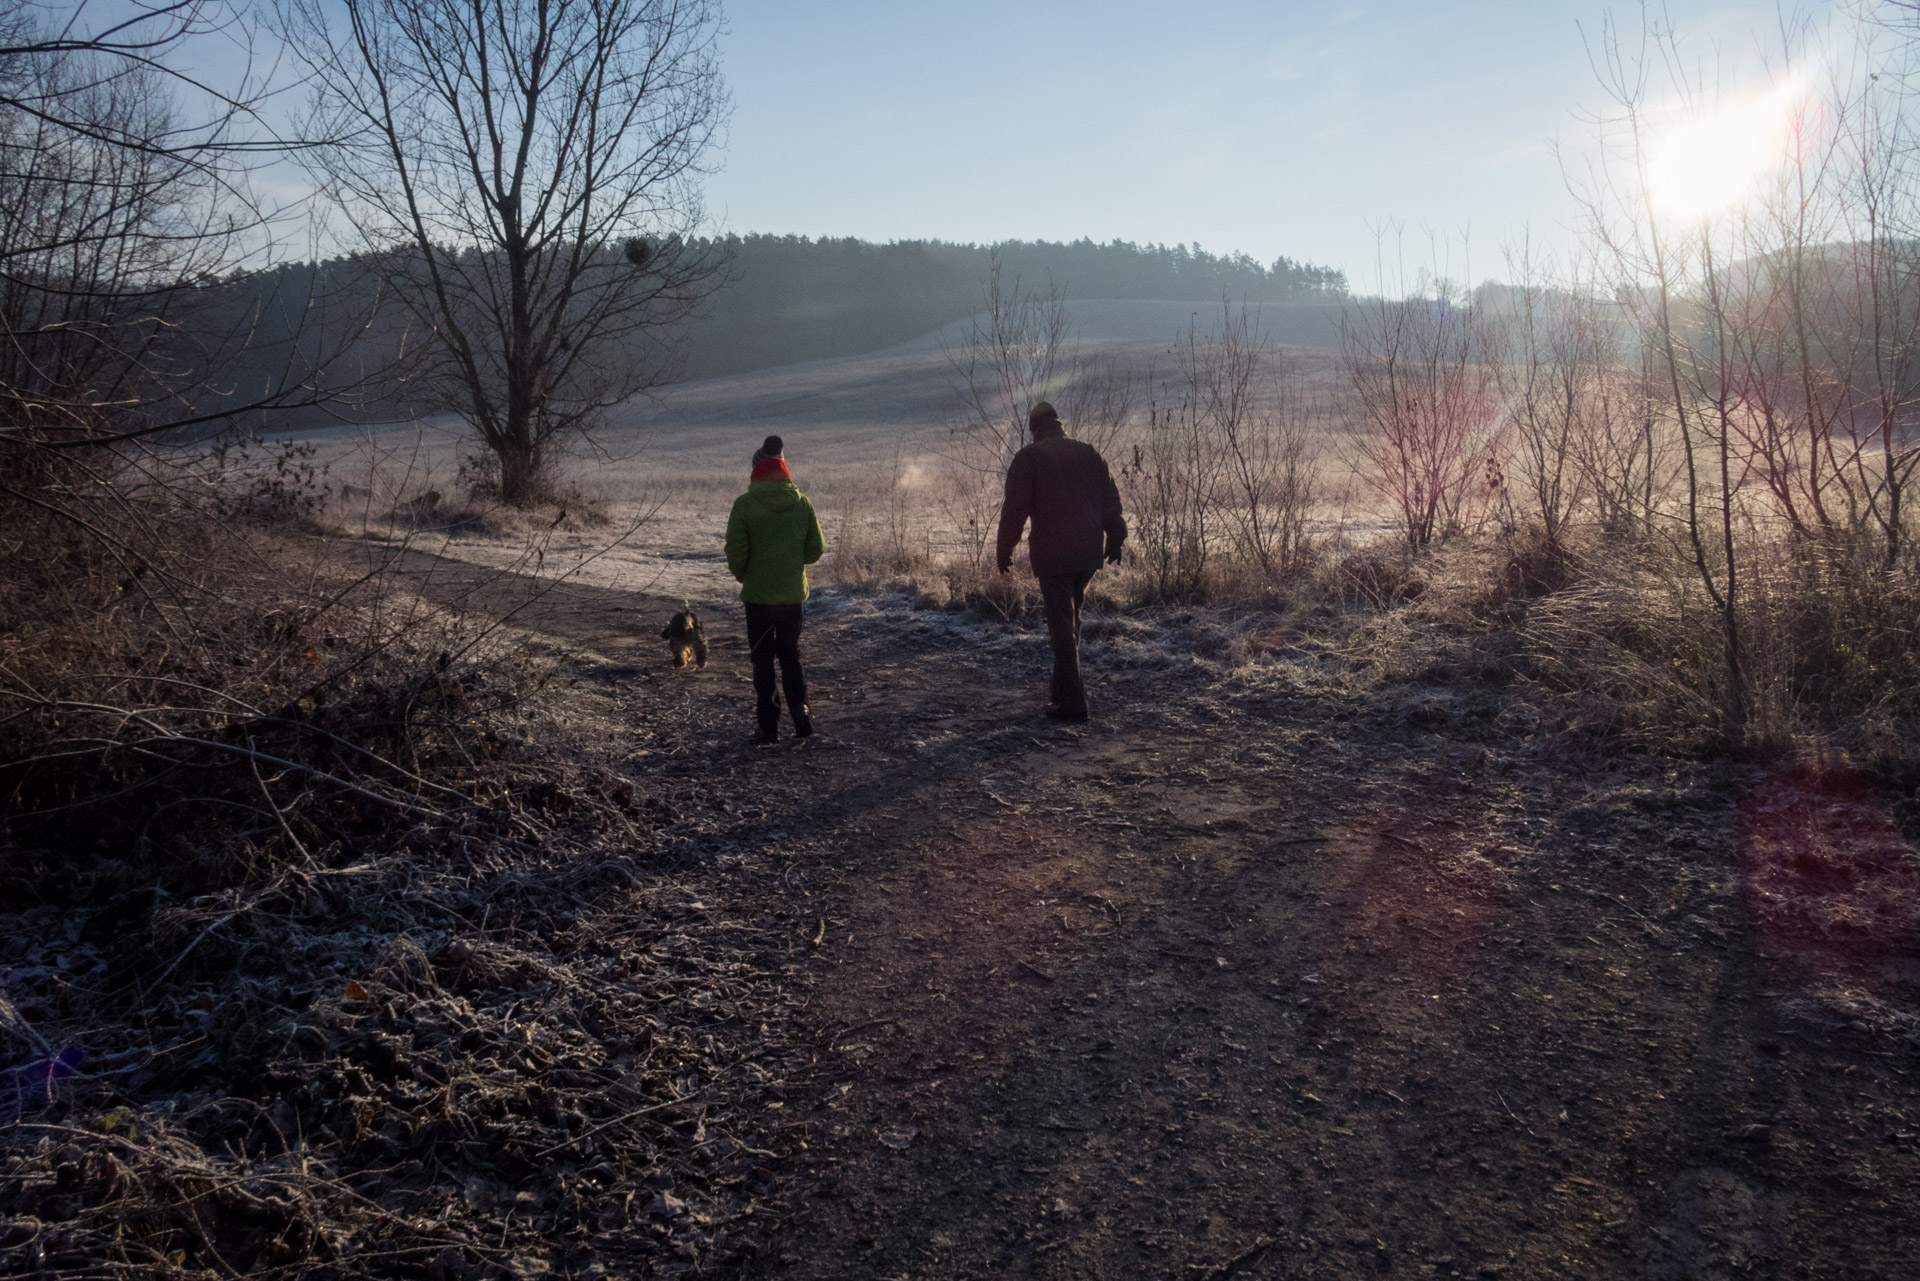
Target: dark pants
(1062, 596)
(773, 631)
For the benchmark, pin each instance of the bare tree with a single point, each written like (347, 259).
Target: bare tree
(530, 169)
(1683, 283)
(1782, 323)
(124, 193)
(138, 38)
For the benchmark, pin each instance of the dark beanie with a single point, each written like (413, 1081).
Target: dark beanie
(771, 447)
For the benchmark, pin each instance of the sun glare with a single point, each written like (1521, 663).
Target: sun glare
(1705, 166)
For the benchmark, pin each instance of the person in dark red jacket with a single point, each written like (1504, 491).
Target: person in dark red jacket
(1063, 486)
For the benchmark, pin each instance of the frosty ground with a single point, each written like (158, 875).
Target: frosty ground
(1312, 955)
(1298, 961)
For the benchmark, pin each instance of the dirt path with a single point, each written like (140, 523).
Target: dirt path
(1251, 978)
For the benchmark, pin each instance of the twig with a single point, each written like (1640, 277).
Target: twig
(1523, 1125)
(1259, 1247)
(308, 770)
(278, 813)
(606, 1125)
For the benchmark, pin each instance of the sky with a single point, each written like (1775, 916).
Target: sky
(1293, 127)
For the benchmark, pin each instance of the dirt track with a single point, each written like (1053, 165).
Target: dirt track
(1264, 976)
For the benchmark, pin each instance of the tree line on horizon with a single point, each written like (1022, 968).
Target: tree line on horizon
(781, 299)
(791, 298)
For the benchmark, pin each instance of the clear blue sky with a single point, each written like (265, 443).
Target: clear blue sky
(1274, 128)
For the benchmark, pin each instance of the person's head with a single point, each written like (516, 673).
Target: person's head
(769, 462)
(1043, 420)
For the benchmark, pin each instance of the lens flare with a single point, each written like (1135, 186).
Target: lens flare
(1705, 166)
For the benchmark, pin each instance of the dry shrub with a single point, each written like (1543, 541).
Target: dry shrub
(861, 555)
(1489, 581)
(1630, 652)
(882, 533)
(1243, 584)
(1379, 575)
(258, 804)
(1633, 649)
(1833, 644)
(1001, 598)
(193, 698)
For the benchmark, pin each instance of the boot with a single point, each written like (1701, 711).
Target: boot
(802, 721)
(769, 725)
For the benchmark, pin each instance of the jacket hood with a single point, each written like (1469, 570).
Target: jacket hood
(774, 495)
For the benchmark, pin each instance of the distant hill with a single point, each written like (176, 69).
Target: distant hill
(782, 300)
(789, 298)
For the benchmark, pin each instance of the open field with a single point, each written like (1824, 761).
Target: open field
(863, 433)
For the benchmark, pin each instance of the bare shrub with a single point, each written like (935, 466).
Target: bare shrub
(1780, 332)
(1220, 487)
(1561, 347)
(1422, 370)
(1632, 650)
(1171, 521)
(1000, 598)
(1377, 576)
(1265, 473)
(1627, 449)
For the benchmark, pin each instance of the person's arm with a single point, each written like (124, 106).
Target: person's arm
(739, 550)
(1110, 517)
(1014, 510)
(816, 542)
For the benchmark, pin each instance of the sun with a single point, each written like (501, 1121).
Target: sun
(1705, 166)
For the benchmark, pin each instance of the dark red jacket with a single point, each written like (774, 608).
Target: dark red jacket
(1064, 487)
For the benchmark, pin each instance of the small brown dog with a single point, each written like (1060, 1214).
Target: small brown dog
(686, 639)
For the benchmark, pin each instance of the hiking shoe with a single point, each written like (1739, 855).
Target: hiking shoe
(1055, 712)
(802, 722)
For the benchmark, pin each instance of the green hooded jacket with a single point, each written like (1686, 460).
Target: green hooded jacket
(772, 536)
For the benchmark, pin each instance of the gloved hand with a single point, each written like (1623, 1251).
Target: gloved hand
(1006, 567)
(1113, 550)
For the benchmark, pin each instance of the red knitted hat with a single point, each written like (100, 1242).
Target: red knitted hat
(771, 468)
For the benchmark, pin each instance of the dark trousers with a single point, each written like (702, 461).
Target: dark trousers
(1062, 596)
(773, 631)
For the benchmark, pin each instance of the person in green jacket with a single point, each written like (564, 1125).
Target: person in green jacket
(772, 536)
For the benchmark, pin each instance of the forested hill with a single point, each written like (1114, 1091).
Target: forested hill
(791, 298)
(779, 300)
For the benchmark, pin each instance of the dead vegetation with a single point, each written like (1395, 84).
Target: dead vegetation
(360, 968)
